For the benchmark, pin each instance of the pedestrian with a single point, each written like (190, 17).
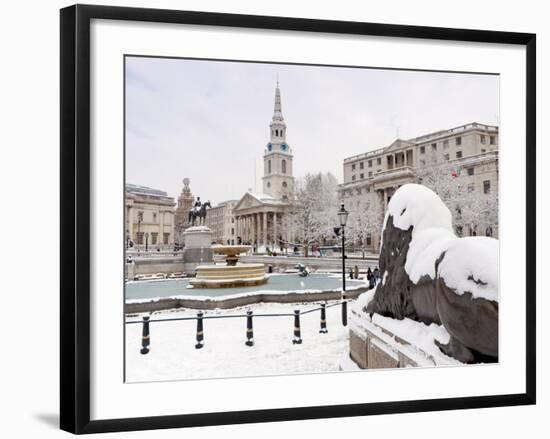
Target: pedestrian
(372, 282)
(377, 274)
(369, 273)
(350, 273)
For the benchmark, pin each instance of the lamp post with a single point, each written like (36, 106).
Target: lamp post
(140, 238)
(343, 216)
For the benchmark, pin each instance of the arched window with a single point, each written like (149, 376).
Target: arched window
(284, 184)
(269, 166)
(276, 132)
(283, 165)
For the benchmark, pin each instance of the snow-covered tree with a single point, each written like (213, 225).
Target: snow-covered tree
(468, 207)
(365, 218)
(313, 214)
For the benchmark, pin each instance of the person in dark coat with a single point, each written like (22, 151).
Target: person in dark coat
(377, 274)
(372, 282)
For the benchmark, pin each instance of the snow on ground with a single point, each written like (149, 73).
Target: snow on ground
(173, 355)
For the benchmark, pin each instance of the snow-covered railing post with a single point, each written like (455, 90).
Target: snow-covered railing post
(297, 333)
(323, 329)
(344, 311)
(145, 339)
(249, 332)
(200, 331)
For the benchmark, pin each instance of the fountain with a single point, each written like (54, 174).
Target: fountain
(231, 274)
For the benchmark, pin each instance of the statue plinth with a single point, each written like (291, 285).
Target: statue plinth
(197, 241)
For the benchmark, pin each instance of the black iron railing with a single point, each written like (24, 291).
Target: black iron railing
(249, 316)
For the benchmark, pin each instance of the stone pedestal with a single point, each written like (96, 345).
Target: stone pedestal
(197, 241)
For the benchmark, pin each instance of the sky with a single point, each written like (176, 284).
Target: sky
(209, 120)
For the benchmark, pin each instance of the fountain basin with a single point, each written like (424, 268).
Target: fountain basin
(229, 276)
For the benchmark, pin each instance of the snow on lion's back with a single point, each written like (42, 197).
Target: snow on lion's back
(470, 264)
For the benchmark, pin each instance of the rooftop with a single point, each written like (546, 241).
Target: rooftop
(144, 190)
(426, 137)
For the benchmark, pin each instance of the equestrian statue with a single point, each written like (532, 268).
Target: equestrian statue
(199, 211)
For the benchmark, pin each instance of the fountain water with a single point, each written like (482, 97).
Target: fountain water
(231, 274)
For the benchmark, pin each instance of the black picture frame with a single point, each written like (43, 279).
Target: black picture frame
(75, 217)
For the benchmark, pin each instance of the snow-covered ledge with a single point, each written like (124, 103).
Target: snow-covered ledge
(379, 342)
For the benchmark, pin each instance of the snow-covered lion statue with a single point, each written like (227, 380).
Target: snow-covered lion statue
(432, 276)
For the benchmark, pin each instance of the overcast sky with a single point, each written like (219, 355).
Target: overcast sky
(209, 121)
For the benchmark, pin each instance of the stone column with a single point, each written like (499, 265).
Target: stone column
(160, 237)
(265, 228)
(256, 223)
(130, 221)
(237, 226)
(275, 240)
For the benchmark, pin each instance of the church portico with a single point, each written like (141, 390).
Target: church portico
(259, 223)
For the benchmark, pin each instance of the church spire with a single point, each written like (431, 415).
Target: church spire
(277, 111)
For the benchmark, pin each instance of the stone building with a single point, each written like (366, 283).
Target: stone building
(149, 218)
(463, 159)
(185, 203)
(221, 221)
(259, 216)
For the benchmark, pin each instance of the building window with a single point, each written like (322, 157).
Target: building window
(361, 176)
(370, 163)
(482, 139)
(492, 141)
(269, 166)
(283, 164)
(459, 141)
(422, 149)
(446, 144)
(434, 146)
(353, 177)
(232, 231)
(268, 184)
(471, 187)
(486, 187)
(285, 184)
(370, 173)
(378, 161)
(353, 167)
(470, 171)
(285, 198)
(154, 238)
(154, 217)
(369, 239)
(166, 238)
(459, 154)
(139, 238)
(446, 157)
(361, 165)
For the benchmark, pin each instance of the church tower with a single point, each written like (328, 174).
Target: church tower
(278, 180)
